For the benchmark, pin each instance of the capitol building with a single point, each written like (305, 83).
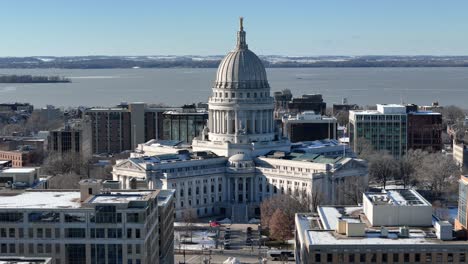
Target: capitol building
(241, 158)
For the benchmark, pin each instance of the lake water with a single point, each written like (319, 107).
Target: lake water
(364, 86)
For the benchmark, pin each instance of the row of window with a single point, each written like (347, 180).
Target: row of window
(194, 168)
(241, 95)
(380, 117)
(70, 233)
(101, 216)
(385, 257)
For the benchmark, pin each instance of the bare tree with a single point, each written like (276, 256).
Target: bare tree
(364, 149)
(342, 117)
(189, 217)
(286, 203)
(352, 189)
(451, 114)
(438, 173)
(65, 181)
(382, 168)
(65, 164)
(281, 227)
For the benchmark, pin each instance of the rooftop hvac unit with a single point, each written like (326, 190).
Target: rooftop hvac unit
(383, 232)
(404, 232)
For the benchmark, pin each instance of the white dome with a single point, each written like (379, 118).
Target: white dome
(241, 68)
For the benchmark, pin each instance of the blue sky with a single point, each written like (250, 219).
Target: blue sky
(206, 27)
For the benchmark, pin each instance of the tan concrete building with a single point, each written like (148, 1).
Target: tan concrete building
(83, 226)
(338, 234)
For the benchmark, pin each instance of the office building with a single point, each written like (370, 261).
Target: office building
(460, 153)
(344, 107)
(461, 223)
(23, 157)
(308, 102)
(92, 225)
(16, 107)
(424, 130)
(284, 103)
(166, 205)
(384, 128)
(74, 139)
(123, 127)
(309, 126)
(394, 226)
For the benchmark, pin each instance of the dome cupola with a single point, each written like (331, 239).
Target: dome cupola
(241, 68)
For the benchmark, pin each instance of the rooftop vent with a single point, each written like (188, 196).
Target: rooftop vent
(383, 232)
(404, 232)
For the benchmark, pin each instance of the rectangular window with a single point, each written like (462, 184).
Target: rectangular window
(12, 217)
(44, 217)
(75, 217)
(75, 232)
(137, 249)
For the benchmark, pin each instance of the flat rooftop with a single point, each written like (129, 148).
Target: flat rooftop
(183, 155)
(317, 144)
(400, 197)
(321, 230)
(40, 200)
(306, 157)
(69, 199)
(19, 170)
(118, 198)
(24, 260)
(164, 196)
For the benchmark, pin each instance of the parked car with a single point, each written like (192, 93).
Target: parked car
(214, 224)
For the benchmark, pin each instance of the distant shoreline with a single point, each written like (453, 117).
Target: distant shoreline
(193, 61)
(13, 78)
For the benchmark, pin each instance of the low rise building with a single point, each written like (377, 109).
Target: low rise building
(23, 157)
(309, 126)
(90, 225)
(339, 234)
(24, 177)
(16, 107)
(460, 154)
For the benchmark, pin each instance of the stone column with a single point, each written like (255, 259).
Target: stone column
(229, 123)
(228, 185)
(260, 122)
(216, 189)
(244, 189)
(222, 122)
(215, 122)
(186, 198)
(254, 129)
(236, 189)
(252, 197)
(236, 121)
(268, 121)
